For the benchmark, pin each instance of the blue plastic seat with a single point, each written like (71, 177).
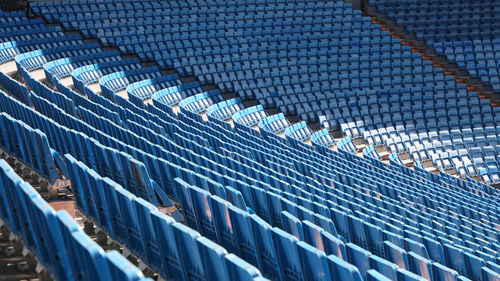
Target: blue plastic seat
(406, 275)
(442, 273)
(122, 269)
(474, 265)
(244, 236)
(333, 245)
(455, 259)
(288, 258)
(238, 269)
(341, 270)
(314, 262)
(163, 226)
(375, 239)
(189, 254)
(202, 206)
(264, 245)
(386, 268)
(358, 257)
(396, 255)
(488, 274)
(151, 247)
(89, 260)
(225, 230)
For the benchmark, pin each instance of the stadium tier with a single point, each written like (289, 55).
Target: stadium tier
(316, 59)
(173, 181)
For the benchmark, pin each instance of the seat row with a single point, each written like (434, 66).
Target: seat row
(170, 248)
(29, 146)
(55, 239)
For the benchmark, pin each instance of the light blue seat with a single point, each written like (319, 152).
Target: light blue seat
(292, 225)
(341, 270)
(420, 265)
(171, 265)
(299, 131)
(243, 234)
(288, 258)
(396, 255)
(441, 272)
(189, 254)
(265, 247)
(358, 257)
(384, 267)
(238, 269)
(314, 262)
(250, 116)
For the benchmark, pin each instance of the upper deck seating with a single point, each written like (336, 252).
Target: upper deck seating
(465, 32)
(309, 57)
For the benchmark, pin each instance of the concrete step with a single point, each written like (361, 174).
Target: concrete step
(38, 74)
(451, 171)
(95, 87)
(358, 141)
(408, 162)
(67, 81)
(404, 155)
(478, 178)
(384, 154)
(432, 169)
(122, 93)
(426, 163)
(9, 68)
(362, 146)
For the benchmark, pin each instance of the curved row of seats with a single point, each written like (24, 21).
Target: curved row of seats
(29, 146)
(303, 51)
(306, 201)
(169, 247)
